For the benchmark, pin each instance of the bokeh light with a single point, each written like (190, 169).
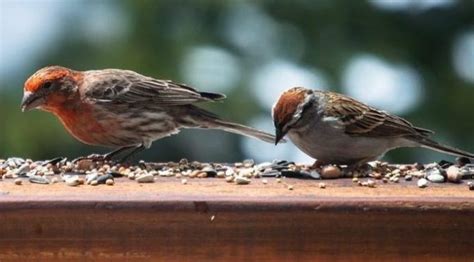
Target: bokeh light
(463, 56)
(395, 88)
(32, 36)
(250, 29)
(257, 35)
(411, 5)
(103, 23)
(271, 79)
(211, 68)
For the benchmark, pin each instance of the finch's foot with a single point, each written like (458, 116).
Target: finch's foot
(109, 156)
(93, 157)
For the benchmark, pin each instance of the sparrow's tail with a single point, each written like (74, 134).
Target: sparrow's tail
(431, 144)
(204, 119)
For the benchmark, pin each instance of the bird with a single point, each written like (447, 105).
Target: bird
(122, 109)
(336, 129)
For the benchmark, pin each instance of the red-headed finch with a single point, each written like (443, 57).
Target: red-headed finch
(123, 109)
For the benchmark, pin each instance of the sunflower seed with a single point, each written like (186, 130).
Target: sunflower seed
(38, 180)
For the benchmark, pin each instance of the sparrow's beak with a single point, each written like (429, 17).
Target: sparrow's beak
(30, 101)
(278, 135)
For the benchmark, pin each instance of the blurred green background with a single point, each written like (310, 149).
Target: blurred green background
(414, 58)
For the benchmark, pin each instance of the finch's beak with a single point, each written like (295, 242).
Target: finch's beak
(278, 135)
(30, 101)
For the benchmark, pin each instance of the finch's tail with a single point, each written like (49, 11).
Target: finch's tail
(431, 144)
(243, 130)
(205, 119)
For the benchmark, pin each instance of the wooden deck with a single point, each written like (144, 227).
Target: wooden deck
(211, 220)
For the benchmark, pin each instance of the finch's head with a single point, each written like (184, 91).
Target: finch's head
(288, 110)
(48, 87)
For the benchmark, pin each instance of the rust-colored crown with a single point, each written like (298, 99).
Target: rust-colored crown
(49, 73)
(287, 104)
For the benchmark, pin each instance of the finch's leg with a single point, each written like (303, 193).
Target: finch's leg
(93, 157)
(135, 150)
(110, 155)
(105, 157)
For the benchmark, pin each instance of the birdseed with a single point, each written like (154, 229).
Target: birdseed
(90, 172)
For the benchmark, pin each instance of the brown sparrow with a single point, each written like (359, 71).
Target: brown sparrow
(336, 129)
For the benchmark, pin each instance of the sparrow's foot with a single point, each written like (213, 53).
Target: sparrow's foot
(363, 169)
(317, 165)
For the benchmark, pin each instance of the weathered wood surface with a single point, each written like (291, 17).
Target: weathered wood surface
(211, 220)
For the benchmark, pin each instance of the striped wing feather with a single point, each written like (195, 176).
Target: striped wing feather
(362, 120)
(129, 87)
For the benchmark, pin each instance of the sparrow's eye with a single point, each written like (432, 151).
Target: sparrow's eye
(47, 85)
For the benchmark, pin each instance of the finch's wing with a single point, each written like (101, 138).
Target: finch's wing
(124, 86)
(359, 119)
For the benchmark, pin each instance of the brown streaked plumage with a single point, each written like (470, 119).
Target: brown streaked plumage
(121, 108)
(361, 119)
(337, 129)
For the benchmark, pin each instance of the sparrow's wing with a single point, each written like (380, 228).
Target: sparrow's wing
(359, 119)
(124, 86)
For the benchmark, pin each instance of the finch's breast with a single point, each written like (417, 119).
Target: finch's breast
(116, 126)
(83, 123)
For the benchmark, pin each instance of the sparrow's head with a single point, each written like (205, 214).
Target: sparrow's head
(288, 110)
(48, 86)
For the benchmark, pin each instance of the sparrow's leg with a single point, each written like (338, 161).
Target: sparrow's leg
(317, 164)
(361, 166)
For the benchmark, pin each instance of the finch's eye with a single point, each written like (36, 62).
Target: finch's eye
(47, 85)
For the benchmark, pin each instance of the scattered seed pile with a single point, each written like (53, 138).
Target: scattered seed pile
(89, 172)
